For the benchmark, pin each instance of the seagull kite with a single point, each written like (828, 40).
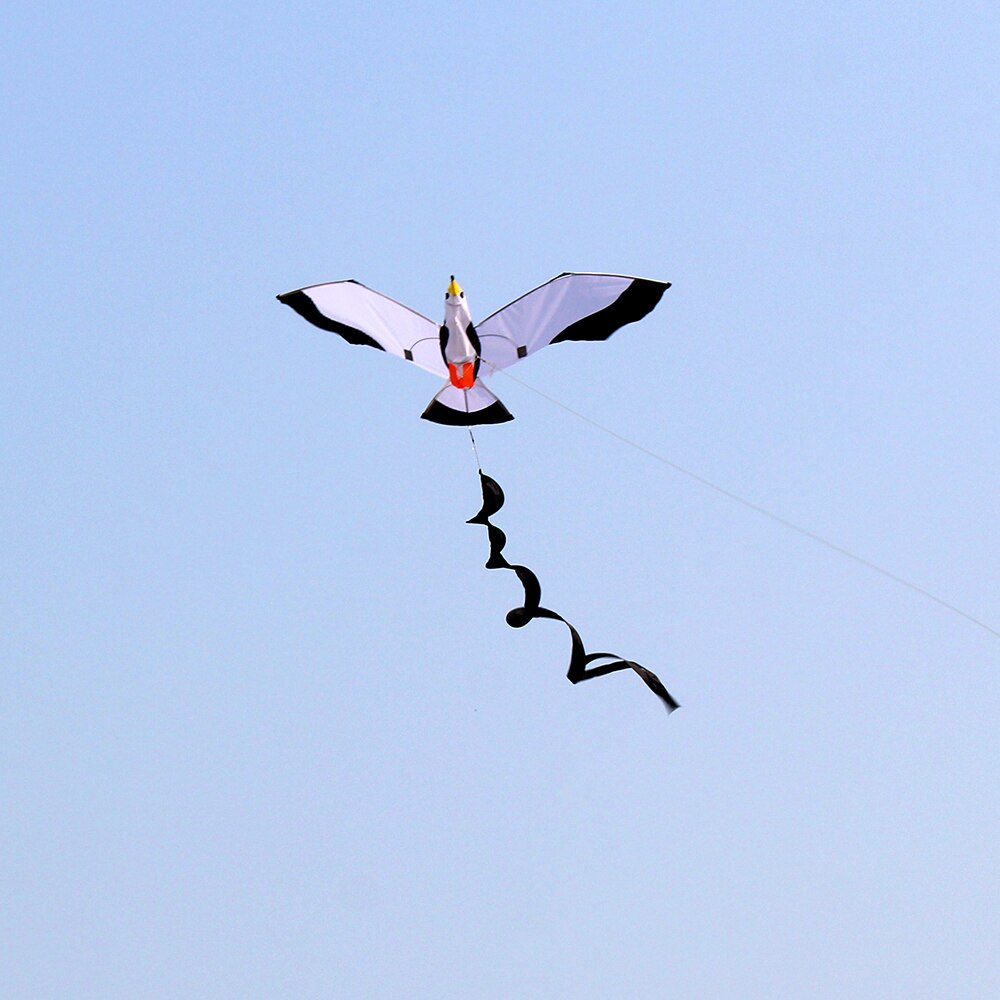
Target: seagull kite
(571, 306)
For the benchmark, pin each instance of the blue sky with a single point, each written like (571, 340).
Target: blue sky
(265, 732)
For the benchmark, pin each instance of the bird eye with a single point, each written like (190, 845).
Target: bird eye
(461, 295)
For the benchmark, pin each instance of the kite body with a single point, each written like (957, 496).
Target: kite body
(572, 306)
(463, 400)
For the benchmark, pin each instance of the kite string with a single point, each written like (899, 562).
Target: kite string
(472, 437)
(784, 522)
(475, 450)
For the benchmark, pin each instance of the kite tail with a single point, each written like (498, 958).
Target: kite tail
(580, 659)
(457, 407)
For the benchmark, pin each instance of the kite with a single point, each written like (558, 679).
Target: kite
(571, 306)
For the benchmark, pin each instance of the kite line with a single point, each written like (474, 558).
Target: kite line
(573, 306)
(757, 508)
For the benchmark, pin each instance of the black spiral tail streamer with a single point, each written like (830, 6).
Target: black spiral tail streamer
(580, 659)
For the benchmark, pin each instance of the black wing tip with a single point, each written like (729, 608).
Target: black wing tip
(308, 310)
(636, 301)
(650, 284)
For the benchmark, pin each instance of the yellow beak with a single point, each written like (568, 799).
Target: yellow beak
(454, 288)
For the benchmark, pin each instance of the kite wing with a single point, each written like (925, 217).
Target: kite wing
(569, 307)
(362, 316)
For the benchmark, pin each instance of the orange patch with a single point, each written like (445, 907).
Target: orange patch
(462, 376)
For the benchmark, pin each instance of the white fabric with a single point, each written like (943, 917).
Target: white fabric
(532, 321)
(390, 324)
(458, 348)
(466, 400)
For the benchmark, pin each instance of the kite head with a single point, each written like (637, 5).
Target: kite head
(455, 304)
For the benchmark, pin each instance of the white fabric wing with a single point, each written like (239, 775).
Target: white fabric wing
(569, 307)
(363, 316)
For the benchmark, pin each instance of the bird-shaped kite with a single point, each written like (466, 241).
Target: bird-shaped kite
(569, 307)
(572, 306)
